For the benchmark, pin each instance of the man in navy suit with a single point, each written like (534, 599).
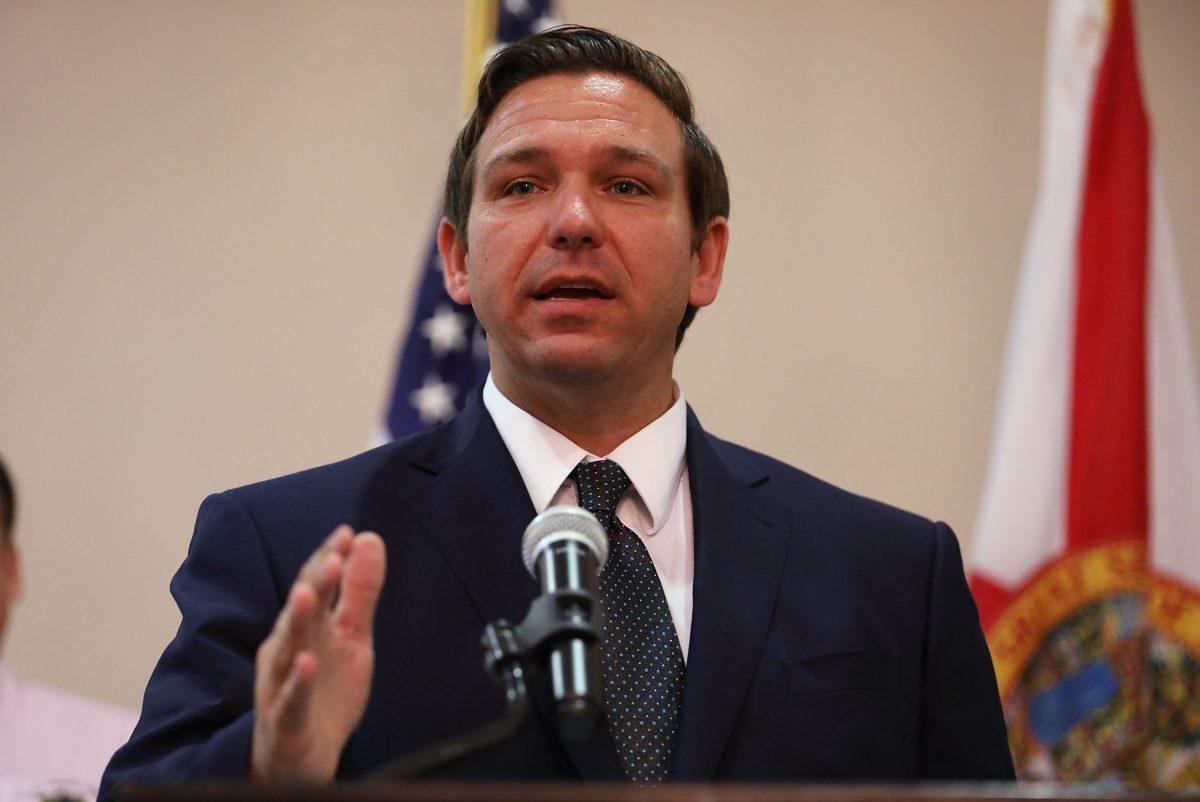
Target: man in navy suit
(806, 633)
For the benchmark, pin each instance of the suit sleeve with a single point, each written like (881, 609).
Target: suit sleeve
(963, 735)
(197, 713)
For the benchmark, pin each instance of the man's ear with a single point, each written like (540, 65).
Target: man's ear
(454, 262)
(709, 261)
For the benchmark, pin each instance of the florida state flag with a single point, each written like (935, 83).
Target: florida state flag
(1087, 547)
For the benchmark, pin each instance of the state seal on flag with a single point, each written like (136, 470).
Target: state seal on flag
(1099, 666)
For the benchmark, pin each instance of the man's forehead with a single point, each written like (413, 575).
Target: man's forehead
(597, 102)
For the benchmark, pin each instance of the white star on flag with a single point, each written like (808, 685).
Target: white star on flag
(446, 331)
(434, 401)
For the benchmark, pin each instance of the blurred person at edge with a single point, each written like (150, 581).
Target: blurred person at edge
(53, 744)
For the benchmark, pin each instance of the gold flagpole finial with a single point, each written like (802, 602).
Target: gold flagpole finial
(479, 34)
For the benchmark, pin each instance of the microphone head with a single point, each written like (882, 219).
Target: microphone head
(574, 523)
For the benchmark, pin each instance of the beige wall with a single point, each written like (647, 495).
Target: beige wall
(211, 214)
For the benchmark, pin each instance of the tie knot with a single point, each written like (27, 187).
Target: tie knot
(601, 485)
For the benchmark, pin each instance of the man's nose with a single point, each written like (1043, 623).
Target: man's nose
(575, 219)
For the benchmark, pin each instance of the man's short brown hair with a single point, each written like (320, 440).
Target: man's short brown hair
(575, 49)
(8, 507)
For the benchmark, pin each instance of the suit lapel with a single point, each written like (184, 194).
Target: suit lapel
(739, 554)
(476, 509)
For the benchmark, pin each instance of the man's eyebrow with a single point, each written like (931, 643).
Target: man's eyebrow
(617, 153)
(517, 156)
(624, 153)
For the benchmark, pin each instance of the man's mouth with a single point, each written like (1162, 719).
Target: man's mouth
(572, 292)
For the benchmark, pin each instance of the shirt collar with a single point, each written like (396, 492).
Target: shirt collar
(652, 458)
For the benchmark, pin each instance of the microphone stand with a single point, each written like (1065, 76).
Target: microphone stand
(507, 651)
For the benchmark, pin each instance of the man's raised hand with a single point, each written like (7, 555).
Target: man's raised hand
(313, 672)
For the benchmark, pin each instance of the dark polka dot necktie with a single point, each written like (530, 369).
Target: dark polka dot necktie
(641, 665)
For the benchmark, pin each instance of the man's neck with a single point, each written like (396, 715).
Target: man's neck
(596, 417)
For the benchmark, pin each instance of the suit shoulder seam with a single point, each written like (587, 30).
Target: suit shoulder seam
(231, 497)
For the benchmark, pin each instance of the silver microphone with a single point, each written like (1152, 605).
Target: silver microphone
(565, 548)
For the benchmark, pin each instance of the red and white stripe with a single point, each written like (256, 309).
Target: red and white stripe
(1097, 437)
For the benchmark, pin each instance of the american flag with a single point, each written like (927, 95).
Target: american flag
(442, 355)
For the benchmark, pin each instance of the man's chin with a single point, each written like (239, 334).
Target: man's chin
(575, 360)
(577, 371)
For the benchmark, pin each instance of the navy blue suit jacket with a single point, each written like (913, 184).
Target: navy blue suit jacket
(832, 636)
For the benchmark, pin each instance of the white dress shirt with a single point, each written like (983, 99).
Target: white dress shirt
(659, 510)
(53, 742)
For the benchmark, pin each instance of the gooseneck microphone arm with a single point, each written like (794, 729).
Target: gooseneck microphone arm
(564, 548)
(504, 660)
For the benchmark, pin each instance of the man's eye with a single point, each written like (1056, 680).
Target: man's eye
(628, 188)
(520, 188)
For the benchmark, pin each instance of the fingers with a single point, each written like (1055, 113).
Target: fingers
(298, 624)
(291, 631)
(323, 568)
(295, 696)
(312, 674)
(362, 580)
